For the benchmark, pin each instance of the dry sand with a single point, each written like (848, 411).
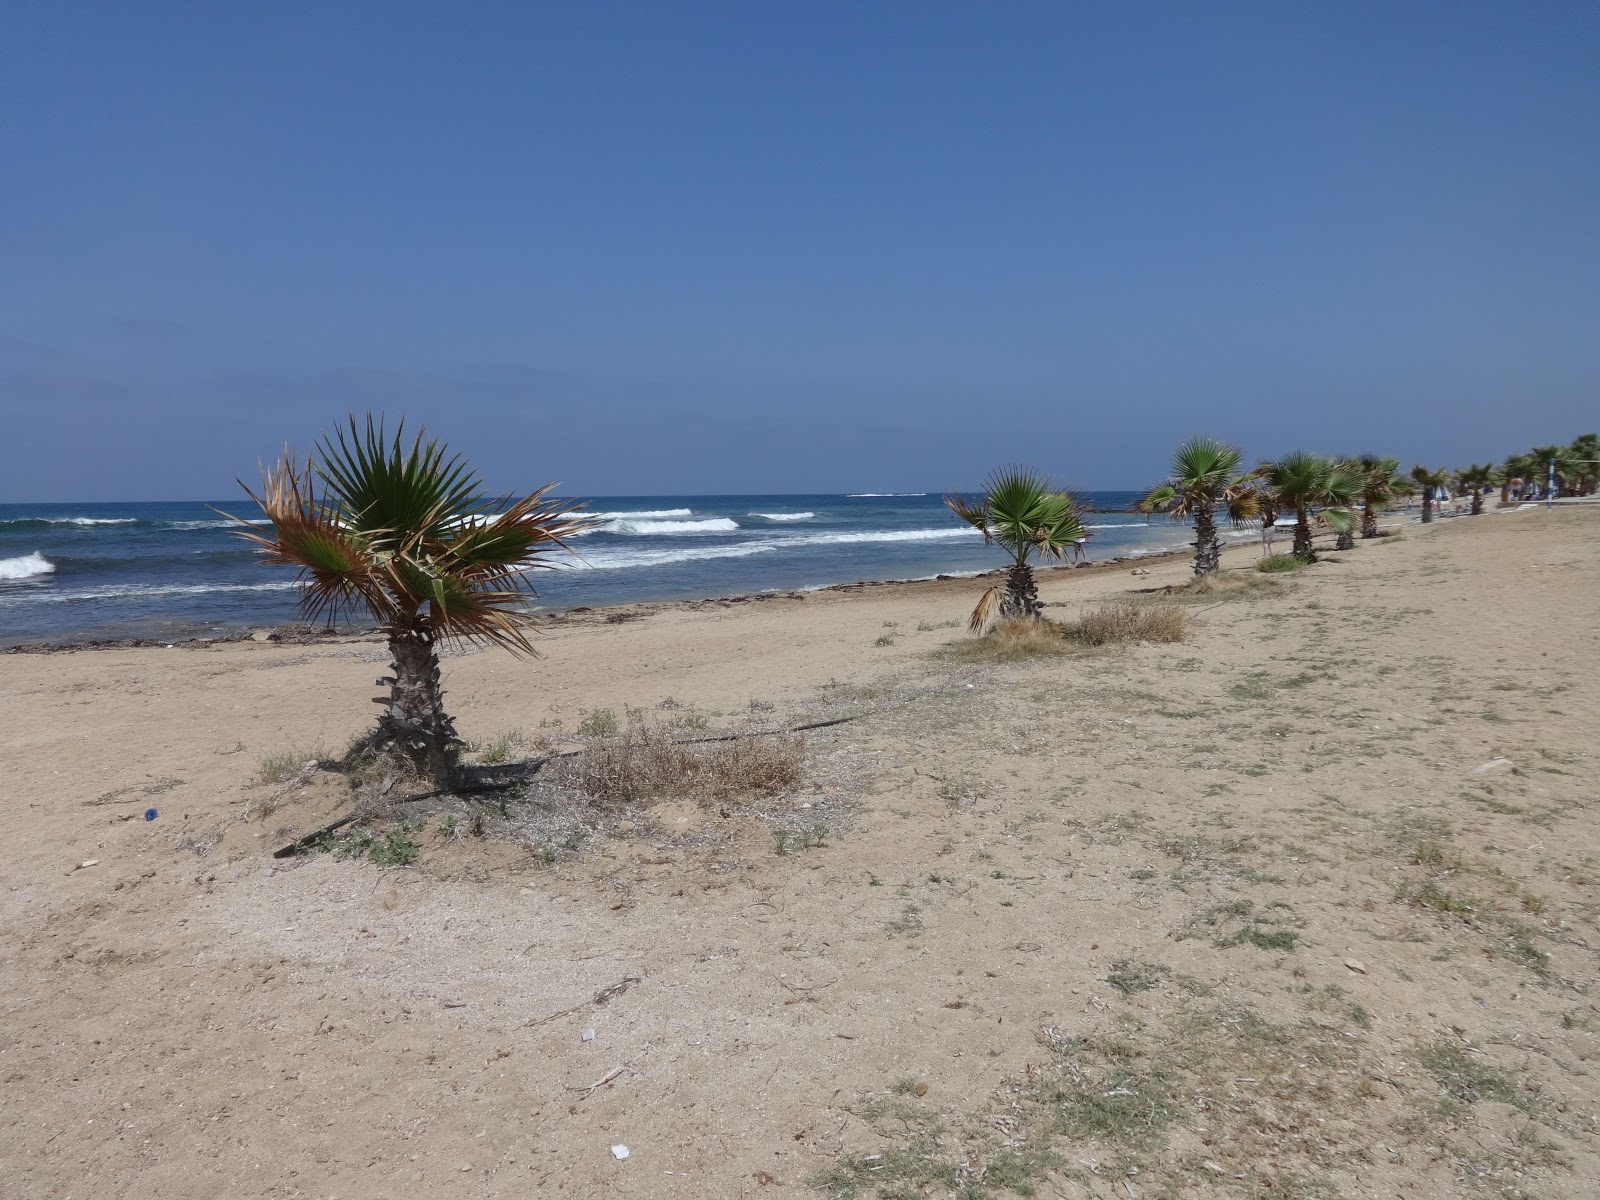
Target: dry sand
(1302, 906)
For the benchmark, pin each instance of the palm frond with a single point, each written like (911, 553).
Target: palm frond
(988, 609)
(337, 567)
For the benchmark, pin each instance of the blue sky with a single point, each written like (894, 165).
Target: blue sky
(651, 248)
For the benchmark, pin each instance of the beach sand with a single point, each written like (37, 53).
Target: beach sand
(1308, 900)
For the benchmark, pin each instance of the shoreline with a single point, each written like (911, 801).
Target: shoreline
(297, 634)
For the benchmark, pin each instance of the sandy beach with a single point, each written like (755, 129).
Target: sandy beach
(1302, 905)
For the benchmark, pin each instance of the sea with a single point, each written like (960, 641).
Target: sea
(176, 570)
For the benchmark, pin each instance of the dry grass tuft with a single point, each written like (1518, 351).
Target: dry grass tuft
(1012, 640)
(1221, 585)
(645, 761)
(1124, 622)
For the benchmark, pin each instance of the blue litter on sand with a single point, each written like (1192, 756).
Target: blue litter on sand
(150, 814)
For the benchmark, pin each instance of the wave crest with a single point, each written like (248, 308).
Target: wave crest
(800, 516)
(649, 514)
(26, 566)
(640, 528)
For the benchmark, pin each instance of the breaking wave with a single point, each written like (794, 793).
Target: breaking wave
(27, 566)
(46, 522)
(140, 590)
(881, 535)
(639, 528)
(801, 516)
(612, 560)
(654, 514)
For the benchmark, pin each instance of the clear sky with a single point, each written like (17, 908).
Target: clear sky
(779, 247)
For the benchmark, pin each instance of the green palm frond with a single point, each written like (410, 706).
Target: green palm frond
(1298, 481)
(1022, 513)
(406, 534)
(337, 567)
(1205, 475)
(1340, 520)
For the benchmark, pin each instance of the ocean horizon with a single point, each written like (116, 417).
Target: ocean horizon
(175, 570)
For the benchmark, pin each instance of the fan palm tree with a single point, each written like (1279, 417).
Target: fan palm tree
(408, 537)
(1516, 471)
(1021, 513)
(1427, 478)
(1205, 476)
(1339, 494)
(1299, 482)
(1567, 468)
(1379, 486)
(1474, 479)
(1585, 455)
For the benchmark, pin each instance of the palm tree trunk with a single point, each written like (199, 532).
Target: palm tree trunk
(1207, 556)
(1477, 502)
(1427, 507)
(1369, 521)
(1022, 594)
(414, 720)
(1345, 541)
(1302, 536)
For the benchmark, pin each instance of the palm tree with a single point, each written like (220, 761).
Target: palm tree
(1585, 455)
(1205, 475)
(1474, 479)
(1379, 486)
(1568, 469)
(1022, 514)
(1299, 481)
(1427, 479)
(1339, 494)
(408, 537)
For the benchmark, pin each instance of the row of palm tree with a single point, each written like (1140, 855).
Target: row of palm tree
(408, 536)
(1576, 468)
(1207, 479)
(1025, 516)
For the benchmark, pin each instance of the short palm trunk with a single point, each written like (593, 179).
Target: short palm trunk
(1427, 510)
(1303, 547)
(414, 721)
(1021, 597)
(1477, 504)
(1207, 555)
(1345, 541)
(1369, 522)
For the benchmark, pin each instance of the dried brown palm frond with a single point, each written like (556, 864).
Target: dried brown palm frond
(988, 609)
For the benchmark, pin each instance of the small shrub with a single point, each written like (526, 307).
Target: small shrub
(1130, 623)
(503, 749)
(597, 723)
(1274, 563)
(644, 761)
(275, 768)
(390, 849)
(886, 639)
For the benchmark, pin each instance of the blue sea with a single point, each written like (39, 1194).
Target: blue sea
(75, 572)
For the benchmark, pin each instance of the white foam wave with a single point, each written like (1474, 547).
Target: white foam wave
(27, 566)
(647, 528)
(613, 560)
(70, 521)
(880, 535)
(880, 495)
(140, 591)
(800, 516)
(215, 524)
(652, 514)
